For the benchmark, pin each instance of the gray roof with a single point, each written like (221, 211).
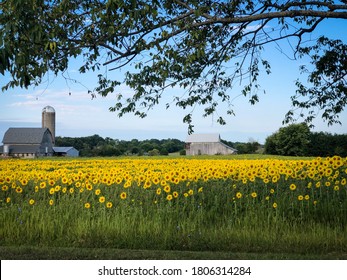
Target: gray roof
(24, 135)
(48, 109)
(203, 138)
(62, 149)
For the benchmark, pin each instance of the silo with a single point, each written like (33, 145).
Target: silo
(48, 120)
(6, 150)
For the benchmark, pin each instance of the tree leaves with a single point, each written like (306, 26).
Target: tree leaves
(292, 140)
(329, 80)
(206, 48)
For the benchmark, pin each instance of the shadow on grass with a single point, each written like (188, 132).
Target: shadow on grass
(53, 253)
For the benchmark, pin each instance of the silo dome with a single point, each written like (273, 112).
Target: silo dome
(48, 109)
(48, 120)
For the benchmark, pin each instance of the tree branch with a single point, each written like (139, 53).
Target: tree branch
(228, 20)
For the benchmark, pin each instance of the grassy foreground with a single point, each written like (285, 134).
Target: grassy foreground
(193, 208)
(52, 253)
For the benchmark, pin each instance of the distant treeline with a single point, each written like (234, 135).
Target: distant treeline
(293, 140)
(93, 146)
(298, 140)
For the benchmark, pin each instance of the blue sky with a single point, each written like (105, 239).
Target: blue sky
(80, 115)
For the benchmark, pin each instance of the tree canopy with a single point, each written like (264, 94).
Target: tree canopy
(298, 140)
(292, 140)
(97, 146)
(204, 47)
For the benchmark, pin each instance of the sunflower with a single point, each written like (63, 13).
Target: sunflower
(97, 192)
(123, 195)
(31, 202)
(109, 204)
(87, 205)
(292, 187)
(328, 172)
(163, 183)
(101, 199)
(155, 180)
(167, 189)
(254, 194)
(148, 184)
(24, 182)
(169, 197)
(19, 190)
(238, 195)
(274, 179)
(118, 180)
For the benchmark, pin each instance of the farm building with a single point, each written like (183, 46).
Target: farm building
(65, 152)
(30, 142)
(207, 144)
(27, 142)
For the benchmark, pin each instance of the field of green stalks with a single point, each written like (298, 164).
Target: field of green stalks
(189, 204)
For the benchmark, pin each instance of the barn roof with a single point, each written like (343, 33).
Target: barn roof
(203, 138)
(24, 135)
(62, 149)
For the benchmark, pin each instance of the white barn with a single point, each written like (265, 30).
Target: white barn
(207, 144)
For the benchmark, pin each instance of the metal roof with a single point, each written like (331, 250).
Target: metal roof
(48, 109)
(62, 149)
(24, 135)
(203, 138)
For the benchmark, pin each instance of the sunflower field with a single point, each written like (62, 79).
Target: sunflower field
(176, 203)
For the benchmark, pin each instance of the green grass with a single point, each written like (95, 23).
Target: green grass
(211, 223)
(73, 253)
(139, 229)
